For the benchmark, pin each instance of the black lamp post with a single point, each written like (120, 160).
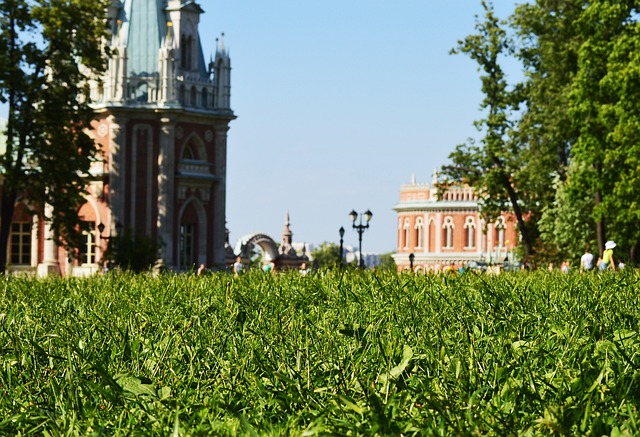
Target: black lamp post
(341, 240)
(360, 228)
(101, 230)
(411, 258)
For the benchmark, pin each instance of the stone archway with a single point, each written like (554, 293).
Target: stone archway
(264, 242)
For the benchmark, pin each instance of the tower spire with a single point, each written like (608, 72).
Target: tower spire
(287, 235)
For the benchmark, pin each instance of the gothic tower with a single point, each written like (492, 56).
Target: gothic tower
(162, 116)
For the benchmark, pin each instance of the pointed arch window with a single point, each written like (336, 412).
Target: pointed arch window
(187, 232)
(187, 153)
(447, 228)
(205, 98)
(500, 227)
(88, 249)
(419, 232)
(181, 94)
(186, 49)
(470, 234)
(194, 96)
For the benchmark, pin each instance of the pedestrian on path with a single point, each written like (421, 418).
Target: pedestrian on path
(607, 257)
(586, 261)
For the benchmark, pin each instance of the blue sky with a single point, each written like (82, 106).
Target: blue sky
(338, 104)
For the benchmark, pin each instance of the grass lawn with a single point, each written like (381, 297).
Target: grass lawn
(335, 353)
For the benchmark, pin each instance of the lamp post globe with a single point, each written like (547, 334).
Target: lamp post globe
(360, 228)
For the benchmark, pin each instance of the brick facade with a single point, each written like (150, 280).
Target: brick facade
(447, 231)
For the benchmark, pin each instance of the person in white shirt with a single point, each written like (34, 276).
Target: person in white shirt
(586, 261)
(238, 267)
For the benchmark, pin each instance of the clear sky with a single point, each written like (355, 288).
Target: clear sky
(338, 104)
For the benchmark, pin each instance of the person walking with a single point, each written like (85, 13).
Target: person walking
(238, 267)
(586, 261)
(201, 270)
(607, 257)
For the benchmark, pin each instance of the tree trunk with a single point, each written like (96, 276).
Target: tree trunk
(600, 228)
(513, 197)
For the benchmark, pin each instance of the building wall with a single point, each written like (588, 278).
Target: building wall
(435, 229)
(146, 119)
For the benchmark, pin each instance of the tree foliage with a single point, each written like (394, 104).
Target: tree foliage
(327, 255)
(386, 262)
(567, 136)
(48, 48)
(566, 225)
(133, 252)
(492, 165)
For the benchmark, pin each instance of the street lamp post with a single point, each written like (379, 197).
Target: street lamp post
(360, 229)
(341, 241)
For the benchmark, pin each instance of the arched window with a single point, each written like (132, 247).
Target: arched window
(186, 246)
(187, 153)
(194, 96)
(447, 227)
(88, 248)
(186, 49)
(470, 234)
(419, 232)
(407, 230)
(205, 98)
(181, 94)
(500, 227)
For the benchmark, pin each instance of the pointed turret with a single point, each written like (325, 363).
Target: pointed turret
(287, 235)
(157, 58)
(286, 247)
(222, 77)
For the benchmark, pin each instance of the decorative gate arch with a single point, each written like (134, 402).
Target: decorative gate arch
(264, 242)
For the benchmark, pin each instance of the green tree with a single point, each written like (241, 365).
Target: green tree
(134, 252)
(603, 104)
(327, 255)
(547, 43)
(567, 226)
(492, 165)
(621, 206)
(48, 49)
(386, 262)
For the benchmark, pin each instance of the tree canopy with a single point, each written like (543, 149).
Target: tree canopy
(48, 50)
(567, 134)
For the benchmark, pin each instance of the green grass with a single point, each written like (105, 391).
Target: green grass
(328, 354)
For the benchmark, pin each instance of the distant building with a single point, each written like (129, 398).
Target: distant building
(352, 256)
(447, 231)
(161, 119)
